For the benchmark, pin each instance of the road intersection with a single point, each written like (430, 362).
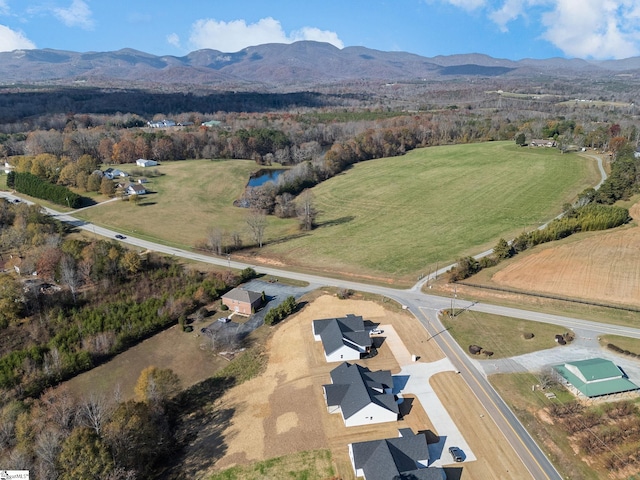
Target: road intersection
(425, 308)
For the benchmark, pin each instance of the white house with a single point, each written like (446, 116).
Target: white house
(112, 173)
(361, 396)
(135, 189)
(342, 338)
(162, 124)
(142, 162)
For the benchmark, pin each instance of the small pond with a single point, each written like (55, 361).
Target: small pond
(263, 176)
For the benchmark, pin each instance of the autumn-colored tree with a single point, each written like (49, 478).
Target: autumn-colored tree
(47, 263)
(124, 151)
(142, 148)
(94, 182)
(131, 261)
(107, 187)
(617, 144)
(156, 386)
(105, 149)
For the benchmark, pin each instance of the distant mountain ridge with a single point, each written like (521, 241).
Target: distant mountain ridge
(269, 65)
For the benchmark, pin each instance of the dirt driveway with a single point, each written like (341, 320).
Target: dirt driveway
(283, 410)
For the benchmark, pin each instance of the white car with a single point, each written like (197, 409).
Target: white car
(224, 319)
(376, 331)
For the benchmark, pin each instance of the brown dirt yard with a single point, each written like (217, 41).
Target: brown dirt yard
(187, 354)
(602, 267)
(283, 411)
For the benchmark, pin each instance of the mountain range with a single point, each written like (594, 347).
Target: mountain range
(268, 65)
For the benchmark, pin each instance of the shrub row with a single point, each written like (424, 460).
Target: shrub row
(280, 312)
(36, 187)
(617, 349)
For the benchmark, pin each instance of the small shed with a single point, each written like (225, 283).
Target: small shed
(244, 302)
(143, 162)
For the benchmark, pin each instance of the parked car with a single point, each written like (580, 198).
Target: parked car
(120, 237)
(376, 331)
(224, 319)
(456, 454)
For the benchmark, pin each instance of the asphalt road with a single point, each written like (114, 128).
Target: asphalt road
(425, 308)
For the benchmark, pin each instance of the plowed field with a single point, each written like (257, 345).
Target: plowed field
(602, 267)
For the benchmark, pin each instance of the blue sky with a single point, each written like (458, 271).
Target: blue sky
(514, 29)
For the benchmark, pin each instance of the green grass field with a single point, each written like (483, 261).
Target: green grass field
(501, 335)
(399, 216)
(392, 218)
(189, 198)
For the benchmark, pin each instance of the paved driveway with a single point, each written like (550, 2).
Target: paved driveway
(276, 293)
(414, 378)
(585, 346)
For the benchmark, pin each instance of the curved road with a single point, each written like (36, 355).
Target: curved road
(425, 308)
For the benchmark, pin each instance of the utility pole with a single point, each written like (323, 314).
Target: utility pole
(453, 301)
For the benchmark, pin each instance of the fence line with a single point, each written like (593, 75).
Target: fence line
(552, 297)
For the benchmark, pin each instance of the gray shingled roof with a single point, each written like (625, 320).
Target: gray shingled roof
(354, 387)
(395, 458)
(241, 295)
(334, 331)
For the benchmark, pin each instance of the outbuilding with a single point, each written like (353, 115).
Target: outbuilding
(594, 377)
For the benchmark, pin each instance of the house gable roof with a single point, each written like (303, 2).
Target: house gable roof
(338, 332)
(395, 458)
(242, 295)
(354, 387)
(595, 377)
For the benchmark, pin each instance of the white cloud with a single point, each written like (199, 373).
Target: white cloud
(467, 4)
(511, 10)
(312, 33)
(579, 28)
(77, 15)
(594, 28)
(173, 39)
(237, 34)
(12, 40)
(4, 7)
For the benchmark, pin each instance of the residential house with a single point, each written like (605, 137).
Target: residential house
(361, 396)
(112, 173)
(594, 377)
(406, 456)
(244, 302)
(542, 143)
(342, 338)
(142, 162)
(162, 124)
(134, 189)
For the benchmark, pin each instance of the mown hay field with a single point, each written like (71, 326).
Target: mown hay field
(399, 216)
(386, 219)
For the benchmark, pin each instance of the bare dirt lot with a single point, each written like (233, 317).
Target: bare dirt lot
(187, 354)
(283, 410)
(602, 267)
